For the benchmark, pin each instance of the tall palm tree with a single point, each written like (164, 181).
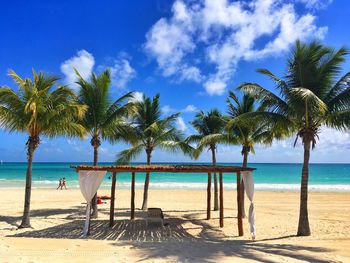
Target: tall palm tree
(105, 118)
(247, 131)
(210, 129)
(150, 131)
(310, 96)
(39, 109)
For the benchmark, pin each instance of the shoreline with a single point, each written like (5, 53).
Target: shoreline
(259, 187)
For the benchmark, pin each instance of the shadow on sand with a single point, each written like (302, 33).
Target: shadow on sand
(175, 239)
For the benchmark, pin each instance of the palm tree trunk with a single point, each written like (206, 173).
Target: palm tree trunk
(32, 144)
(245, 157)
(245, 164)
(145, 190)
(303, 226)
(94, 213)
(216, 191)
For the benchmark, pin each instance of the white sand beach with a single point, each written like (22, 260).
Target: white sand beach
(58, 216)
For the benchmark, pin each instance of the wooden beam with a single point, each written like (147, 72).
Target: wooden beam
(239, 205)
(111, 209)
(221, 201)
(132, 213)
(165, 168)
(209, 196)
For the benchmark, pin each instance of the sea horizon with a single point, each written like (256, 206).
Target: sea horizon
(184, 162)
(324, 177)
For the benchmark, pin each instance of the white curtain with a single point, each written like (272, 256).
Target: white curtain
(249, 189)
(89, 182)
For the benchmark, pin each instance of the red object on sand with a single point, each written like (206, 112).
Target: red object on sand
(99, 201)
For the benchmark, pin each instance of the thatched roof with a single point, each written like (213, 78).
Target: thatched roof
(165, 168)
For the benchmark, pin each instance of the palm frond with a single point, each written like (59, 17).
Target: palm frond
(281, 84)
(41, 108)
(268, 100)
(124, 157)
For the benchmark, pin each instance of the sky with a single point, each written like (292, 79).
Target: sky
(191, 52)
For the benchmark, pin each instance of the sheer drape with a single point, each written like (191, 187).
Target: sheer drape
(89, 182)
(249, 189)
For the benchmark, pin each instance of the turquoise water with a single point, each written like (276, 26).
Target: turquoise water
(272, 177)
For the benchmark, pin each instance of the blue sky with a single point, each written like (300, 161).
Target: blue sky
(191, 52)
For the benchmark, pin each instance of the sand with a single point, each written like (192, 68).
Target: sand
(57, 221)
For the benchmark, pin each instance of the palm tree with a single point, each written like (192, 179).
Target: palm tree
(39, 109)
(210, 128)
(150, 131)
(247, 131)
(104, 118)
(310, 96)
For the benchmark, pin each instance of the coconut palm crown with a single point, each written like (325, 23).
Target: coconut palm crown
(210, 132)
(151, 131)
(105, 118)
(39, 108)
(310, 95)
(248, 131)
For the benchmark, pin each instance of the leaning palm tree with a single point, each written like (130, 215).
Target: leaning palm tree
(247, 131)
(150, 131)
(210, 128)
(105, 118)
(310, 96)
(39, 109)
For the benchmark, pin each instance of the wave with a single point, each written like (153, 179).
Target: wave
(185, 185)
(311, 187)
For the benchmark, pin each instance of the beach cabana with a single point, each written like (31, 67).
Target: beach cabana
(90, 178)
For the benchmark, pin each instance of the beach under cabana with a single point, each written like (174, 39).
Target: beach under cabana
(90, 178)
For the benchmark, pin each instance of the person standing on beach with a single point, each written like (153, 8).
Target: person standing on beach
(59, 184)
(64, 183)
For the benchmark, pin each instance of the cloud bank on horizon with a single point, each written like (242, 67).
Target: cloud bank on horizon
(219, 34)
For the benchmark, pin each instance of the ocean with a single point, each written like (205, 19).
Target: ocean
(267, 177)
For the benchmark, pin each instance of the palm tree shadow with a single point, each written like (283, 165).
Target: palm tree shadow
(203, 250)
(71, 213)
(122, 230)
(175, 240)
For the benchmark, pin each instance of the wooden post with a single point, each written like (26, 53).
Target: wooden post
(209, 196)
(221, 202)
(111, 209)
(132, 213)
(239, 205)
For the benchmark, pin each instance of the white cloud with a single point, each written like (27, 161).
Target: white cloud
(137, 96)
(331, 146)
(215, 86)
(333, 140)
(121, 72)
(181, 125)
(190, 108)
(221, 33)
(191, 73)
(83, 62)
(167, 40)
(167, 109)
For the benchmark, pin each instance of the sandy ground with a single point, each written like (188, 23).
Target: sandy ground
(57, 221)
